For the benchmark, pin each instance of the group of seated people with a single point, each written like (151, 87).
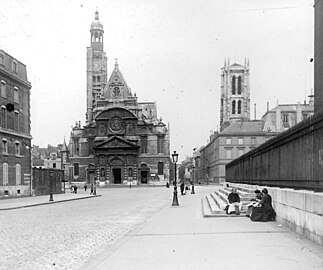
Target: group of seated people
(259, 209)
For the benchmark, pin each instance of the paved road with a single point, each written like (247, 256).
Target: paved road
(67, 235)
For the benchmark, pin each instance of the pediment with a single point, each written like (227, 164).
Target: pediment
(116, 142)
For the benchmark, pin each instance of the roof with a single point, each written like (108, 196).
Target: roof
(240, 127)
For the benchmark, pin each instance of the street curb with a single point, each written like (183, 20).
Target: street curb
(44, 203)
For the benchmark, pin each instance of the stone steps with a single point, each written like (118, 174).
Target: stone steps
(213, 204)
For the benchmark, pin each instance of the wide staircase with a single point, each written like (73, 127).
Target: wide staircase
(213, 205)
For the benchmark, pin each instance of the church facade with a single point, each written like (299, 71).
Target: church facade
(123, 140)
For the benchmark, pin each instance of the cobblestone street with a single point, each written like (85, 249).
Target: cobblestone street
(68, 234)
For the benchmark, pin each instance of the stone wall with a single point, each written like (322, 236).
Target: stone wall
(299, 210)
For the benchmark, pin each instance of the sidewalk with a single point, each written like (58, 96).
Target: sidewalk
(180, 238)
(16, 203)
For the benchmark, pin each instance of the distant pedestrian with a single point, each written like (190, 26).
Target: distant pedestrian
(85, 187)
(75, 189)
(182, 187)
(72, 188)
(92, 189)
(167, 184)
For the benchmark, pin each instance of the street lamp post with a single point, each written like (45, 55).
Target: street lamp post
(175, 199)
(51, 186)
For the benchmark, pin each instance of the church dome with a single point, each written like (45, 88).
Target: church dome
(96, 24)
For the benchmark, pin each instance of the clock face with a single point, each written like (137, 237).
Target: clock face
(96, 66)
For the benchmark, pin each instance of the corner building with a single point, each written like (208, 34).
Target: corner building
(15, 138)
(123, 140)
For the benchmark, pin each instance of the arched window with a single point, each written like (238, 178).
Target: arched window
(239, 85)
(3, 88)
(102, 172)
(130, 172)
(96, 36)
(239, 107)
(233, 85)
(233, 107)
(18, 174)
(94, 79)
(98, 79)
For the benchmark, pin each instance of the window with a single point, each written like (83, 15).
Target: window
(3, 88)
(239, 107)
(54, 165)
(228, 141)
(116, 91)
(94, 79)
(3, 117)
(98, 79)
(239, 85)
(76, 169)
(240, 141)
(305, 115)
(15, 66)
(5, 173)
(4, 146)
(240, 152)
(233, 85)
(1, 59)
(17, 148)
(253, 140)
(285, 118)
(160, 168)
(16, 94)
(144, 144)
(18, 174)
(160, 144)
(16, 121)
(228, 153)
(233, 107)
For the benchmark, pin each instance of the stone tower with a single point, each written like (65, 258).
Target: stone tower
(96, 67)
(235, 92)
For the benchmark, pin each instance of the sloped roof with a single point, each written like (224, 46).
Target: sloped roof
(241, 127)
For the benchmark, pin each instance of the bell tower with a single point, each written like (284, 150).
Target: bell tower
(235, 92)
(96, 67)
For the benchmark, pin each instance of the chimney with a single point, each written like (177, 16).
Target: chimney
(267, 106)
(278, 115)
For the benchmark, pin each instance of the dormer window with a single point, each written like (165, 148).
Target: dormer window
(15, 66)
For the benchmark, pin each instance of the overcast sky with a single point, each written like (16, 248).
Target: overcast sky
(169, 51)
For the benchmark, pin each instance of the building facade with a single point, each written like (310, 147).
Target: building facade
(15, 155)
(123, 140)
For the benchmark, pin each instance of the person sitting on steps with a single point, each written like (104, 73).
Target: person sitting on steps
(234, 205)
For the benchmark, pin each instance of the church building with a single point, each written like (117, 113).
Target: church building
(123, 140)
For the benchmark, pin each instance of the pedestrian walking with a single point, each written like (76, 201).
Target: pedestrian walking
(85, 187)
(92, 190)
(182, 187)
(75, 189)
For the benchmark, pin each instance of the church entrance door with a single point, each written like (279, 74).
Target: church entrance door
(116, 175)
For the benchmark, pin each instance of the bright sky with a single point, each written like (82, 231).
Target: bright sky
(168, 51)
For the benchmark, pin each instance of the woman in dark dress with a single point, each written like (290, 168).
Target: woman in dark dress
(265, 212)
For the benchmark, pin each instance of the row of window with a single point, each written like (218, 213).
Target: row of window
(5, 91)
(5, 176)
(5, 147)
(9, 120)
(228, 152)
(233, 85)
(14, 64)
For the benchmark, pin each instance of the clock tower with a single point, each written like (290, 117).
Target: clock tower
(96, 67)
